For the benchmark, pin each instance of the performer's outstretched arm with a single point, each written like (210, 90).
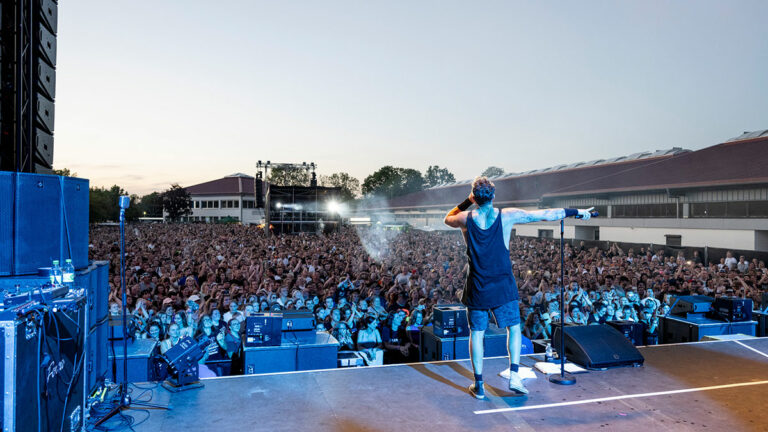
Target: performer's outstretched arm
(513, 215)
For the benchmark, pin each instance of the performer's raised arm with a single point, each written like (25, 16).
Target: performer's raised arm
(457, 216)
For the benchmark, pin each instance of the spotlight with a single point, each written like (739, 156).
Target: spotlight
(278, 205)
(333, 207)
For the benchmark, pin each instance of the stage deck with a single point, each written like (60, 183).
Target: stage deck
(720, 385)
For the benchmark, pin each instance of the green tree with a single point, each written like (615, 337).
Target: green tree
(436, 175)
(350, 186)
(104, 204)
(99, 205)
(151, 205)
(390, 182)
(64, 172)
(492, 171)
(289, 176)
(177, 202)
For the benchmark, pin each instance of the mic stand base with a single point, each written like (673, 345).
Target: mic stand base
(566, 379)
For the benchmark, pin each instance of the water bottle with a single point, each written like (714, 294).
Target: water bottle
(56, 275)
(549, 354)
(68, 276)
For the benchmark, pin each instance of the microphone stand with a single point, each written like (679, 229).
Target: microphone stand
(562, 379)
(125, 398)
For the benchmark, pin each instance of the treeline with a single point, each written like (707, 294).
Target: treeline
(104, 208)
(386, 182)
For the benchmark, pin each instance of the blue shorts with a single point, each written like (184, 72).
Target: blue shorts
(506, 315)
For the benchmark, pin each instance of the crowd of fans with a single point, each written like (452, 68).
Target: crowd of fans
(374, 289)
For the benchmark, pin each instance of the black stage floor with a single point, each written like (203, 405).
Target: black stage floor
(673, 391)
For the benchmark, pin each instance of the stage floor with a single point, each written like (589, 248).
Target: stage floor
(673, 391)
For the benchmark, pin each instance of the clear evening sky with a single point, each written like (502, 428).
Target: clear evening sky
(151, 92)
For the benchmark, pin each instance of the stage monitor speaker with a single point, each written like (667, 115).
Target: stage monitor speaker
(597, 347)
(731, 309)
(297, 321)
(450, 320)
(633, 331)
(691, 304)
(263, 329)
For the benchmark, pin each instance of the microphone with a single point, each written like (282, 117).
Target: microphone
(124, 202)
(593, 213)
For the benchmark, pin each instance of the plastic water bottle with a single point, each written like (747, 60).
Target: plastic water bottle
(68, 276)
(549, 354)
(56, 274)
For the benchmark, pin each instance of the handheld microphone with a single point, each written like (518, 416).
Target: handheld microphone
(592, 213)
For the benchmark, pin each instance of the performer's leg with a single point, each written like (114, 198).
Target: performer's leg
(476, 351)
(508, 316)
(514, 344)
(478, 323)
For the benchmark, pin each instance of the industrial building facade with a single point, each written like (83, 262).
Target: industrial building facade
(715, 197)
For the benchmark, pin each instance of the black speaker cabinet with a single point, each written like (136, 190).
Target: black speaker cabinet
(597, 347)
(633, 331)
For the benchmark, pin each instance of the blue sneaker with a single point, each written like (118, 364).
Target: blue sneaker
(476, 390)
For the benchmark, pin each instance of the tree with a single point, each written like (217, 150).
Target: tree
(104, 204)
(492, 171)
(350, 186)
(436, 175)
(288, 176)
(177, 202)
(64, 172)
(151, 205)
(390, 182)
(99, 205)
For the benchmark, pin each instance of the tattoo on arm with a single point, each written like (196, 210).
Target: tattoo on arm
(523, 216)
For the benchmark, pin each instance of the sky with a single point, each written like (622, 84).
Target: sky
(154, 92)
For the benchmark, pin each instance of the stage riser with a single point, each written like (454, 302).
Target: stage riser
(434, 348)
(298, 352)
(762, 320)
(679, 330)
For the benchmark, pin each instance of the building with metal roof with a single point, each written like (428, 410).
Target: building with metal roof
(716, 197)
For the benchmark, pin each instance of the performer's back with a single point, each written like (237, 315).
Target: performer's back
(490, 282)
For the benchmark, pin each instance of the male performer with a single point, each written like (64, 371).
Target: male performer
(490, 285)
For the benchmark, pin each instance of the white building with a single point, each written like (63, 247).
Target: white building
(228, 198)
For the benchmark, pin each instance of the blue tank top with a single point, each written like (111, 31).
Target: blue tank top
(489, 282)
